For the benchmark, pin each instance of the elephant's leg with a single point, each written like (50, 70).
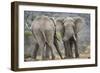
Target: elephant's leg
(76, 49)
(40, 40)
(42, 53)
(71, 46)
(57, 47)
(35, 51)
(47, 56)
(50, 42)
(69, 49)
(76, 46)
(66, 48)
(47, 53)
(51, 47)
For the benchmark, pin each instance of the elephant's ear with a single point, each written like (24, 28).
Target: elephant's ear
(79, 23)
(60, 21)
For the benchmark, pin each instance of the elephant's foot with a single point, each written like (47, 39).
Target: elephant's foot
(45, 58)
(34, 58)
(53, 58)
(77, 56)
(65, 57)
(68, 57)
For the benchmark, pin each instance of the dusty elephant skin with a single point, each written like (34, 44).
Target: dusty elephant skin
(69, 28)
(43, 30)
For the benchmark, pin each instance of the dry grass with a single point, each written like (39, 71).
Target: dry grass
(86, 53)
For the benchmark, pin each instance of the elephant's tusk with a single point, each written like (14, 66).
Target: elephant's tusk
(74, 37)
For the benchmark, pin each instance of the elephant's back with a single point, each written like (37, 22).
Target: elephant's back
(48, 24)
(42, 23)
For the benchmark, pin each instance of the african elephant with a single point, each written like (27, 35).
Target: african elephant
(68, 28)
(43, 30)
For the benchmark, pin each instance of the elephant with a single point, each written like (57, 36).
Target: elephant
(68, 28)
(43, 30)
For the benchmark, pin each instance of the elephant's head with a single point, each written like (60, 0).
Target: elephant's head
(69, 26)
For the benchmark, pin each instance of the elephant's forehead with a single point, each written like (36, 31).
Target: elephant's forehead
(69, 24)
(69, 19)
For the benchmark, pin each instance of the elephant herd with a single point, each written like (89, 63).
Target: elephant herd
(48, 31)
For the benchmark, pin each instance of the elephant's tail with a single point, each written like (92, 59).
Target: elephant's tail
(55, 37)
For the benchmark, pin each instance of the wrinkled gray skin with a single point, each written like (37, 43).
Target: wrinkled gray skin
(43, 30)
(69, 28)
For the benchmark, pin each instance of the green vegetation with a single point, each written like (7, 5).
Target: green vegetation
(58, 35)
(27, 33)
